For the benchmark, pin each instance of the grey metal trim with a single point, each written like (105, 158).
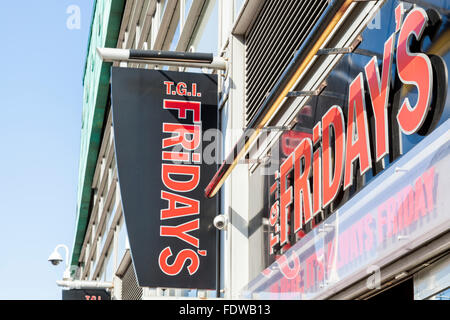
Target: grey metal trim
(316, 92)
(350, 49)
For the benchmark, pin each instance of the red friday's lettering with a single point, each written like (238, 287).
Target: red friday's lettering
(181, 178)
(317, 170)
(182, 257)
(379, 95)
(317, 182)
(414, 69)
(285, 199)
(180, 185)
(188, 206)
(357, 146)
(331, 183)
(175, 156)
(180, 136)
(183, 107)
(402, 212)
(181, 232)
(302, 188)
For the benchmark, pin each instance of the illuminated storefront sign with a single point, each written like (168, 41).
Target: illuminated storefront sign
(159, 119)
(367, 181)
(327, 164)
(380, 224)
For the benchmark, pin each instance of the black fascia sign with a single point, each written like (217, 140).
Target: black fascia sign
(159, 119)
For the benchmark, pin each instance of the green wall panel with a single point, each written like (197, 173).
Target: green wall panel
(105, 29)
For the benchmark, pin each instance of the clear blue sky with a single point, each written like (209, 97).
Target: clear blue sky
(40, 119)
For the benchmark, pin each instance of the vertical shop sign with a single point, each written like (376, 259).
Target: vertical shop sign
(159, 118)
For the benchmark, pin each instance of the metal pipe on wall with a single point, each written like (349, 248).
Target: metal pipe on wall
(165, 58)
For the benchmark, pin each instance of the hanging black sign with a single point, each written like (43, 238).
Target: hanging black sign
(159, 119)
(86, 294)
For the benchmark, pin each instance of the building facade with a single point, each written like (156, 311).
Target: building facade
(334, 129)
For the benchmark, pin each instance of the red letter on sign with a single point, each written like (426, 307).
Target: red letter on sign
(185, 170)
(333, 118)
(183, 107)
(182, 132)
(188, 206)
(317, 169)
(285, 199)
(181, 232)
(302, 188)
(415, 69)
(379, 94)
(169, 85)
(180, 260)
(357, 132)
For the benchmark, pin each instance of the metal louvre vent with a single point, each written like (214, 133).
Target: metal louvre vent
(130, 287)
(277, 34)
